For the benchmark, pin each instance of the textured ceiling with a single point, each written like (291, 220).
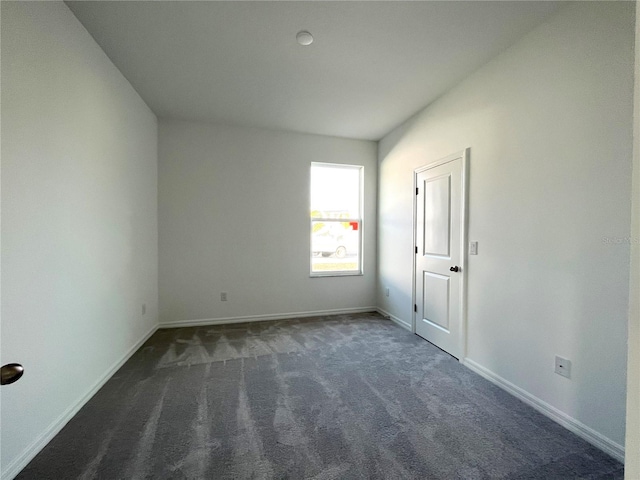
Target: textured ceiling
(372, 64)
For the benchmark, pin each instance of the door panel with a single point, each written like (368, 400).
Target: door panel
(437, 193)
(439, 241)
(435, 294)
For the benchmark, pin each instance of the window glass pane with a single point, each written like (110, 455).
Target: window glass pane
(336, 225)
(335, 191)
(335, 246)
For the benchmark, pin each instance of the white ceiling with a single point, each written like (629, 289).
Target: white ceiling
(372, 64)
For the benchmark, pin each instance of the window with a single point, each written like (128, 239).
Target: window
(336, 219)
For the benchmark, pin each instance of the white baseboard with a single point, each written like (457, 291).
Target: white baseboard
(15, 467)
(394, 319)
(262, 318)
(587, 433)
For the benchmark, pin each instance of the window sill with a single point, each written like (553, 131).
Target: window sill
(336, 274)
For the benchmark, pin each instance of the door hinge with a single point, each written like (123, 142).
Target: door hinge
(416, 249)
(415, 307)
(416, 190)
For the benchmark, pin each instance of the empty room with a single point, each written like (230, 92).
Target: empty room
(319, 240)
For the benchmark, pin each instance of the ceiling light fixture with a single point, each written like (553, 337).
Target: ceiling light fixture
(304, 38)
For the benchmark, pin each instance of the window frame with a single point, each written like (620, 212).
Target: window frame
(359, 220)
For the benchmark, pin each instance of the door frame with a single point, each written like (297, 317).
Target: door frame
(464, 241)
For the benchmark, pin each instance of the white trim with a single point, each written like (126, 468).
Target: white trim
(262, 318)
(394, 319)
(449, 158)
(587, 433)
(360, 220)
(464, 155)
(15, 467)
(415, 245)
(464, 254)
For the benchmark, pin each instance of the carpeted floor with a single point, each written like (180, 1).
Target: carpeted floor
(341, 397)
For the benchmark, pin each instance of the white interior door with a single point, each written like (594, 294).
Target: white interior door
(440, 254)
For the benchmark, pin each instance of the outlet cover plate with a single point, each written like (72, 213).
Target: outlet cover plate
(563, 367)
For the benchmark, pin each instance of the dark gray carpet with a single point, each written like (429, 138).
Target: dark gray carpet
(339, 397)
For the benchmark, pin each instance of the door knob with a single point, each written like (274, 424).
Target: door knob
(10, 373)
(454, 269)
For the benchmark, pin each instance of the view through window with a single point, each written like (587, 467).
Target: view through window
(336, 219)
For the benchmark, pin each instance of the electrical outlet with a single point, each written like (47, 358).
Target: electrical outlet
(563, 367)
(473, 248)
(223, 296)
(144, 308)
(386, 292)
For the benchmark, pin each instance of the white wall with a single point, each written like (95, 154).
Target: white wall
(234, 217)
(632, 463)
(79, 220)
(550, 130)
